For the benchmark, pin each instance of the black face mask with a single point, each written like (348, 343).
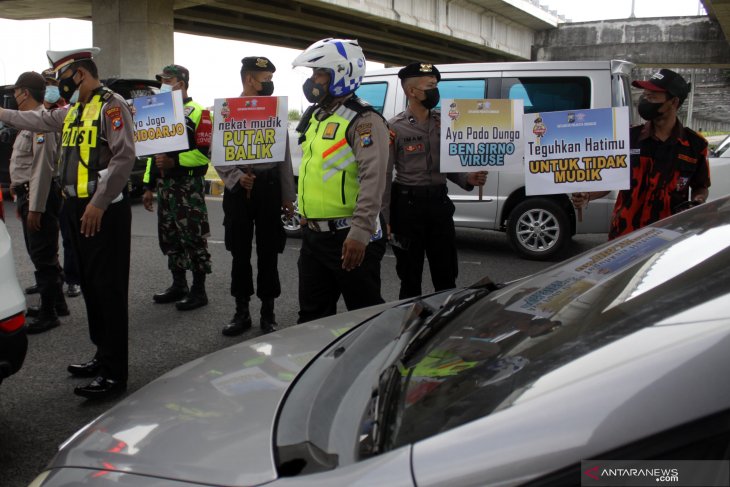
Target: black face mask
(267, 88)
(432, 98)
(314, 92)
(67, 86)
(648, 110)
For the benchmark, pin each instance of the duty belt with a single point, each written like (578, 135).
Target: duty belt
(22, 189)
(329, 225)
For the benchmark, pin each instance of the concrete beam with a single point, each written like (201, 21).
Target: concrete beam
(720, 11)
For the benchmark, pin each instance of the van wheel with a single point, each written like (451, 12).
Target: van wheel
(537, 228)
(292, 225)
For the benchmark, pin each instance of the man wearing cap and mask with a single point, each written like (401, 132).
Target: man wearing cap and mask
(182, 223)
(341, 182)
(669, 168)
(416, 205)
(255, 196)
(96, 159)
(32, 166)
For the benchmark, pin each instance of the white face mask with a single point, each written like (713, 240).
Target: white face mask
(74, 98)
(165, 88)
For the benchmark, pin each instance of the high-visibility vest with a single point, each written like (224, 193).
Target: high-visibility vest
(80, 143)
(328, 175)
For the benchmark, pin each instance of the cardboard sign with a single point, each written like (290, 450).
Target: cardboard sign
(249, 130)
(159, 124)
(481, 135)
(577, 151)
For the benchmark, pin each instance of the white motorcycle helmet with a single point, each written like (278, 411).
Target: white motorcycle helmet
(342, 57)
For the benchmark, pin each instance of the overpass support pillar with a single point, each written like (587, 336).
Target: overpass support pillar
(135, 37)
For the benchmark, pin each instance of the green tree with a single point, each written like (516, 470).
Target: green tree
(294, 115)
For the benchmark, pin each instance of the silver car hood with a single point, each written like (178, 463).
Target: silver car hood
(211, 420)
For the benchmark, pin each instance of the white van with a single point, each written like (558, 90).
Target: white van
(537, 226)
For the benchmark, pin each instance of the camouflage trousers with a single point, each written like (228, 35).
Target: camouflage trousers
(182, 223)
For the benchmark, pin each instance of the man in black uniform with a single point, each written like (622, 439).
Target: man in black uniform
(255, 195)
(419, 211)
(97, 155)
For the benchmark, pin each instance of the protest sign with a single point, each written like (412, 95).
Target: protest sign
(576, 151)
(481, 135)
(249, 130)
(159, 124)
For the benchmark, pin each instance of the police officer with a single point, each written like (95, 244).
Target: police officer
(182, 223)
(341, 182)
(417, 205)
(97, 155)
(32, 166)
(254, 196)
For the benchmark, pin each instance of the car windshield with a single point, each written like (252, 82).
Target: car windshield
(722, 149)
(493, 351)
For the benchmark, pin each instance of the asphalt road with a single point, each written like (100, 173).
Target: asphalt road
(38, 409)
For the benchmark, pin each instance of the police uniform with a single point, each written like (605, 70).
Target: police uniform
(417, 205)
(96, 159)
(341, 184)
(182, 223)
(32, 166)
(260, 208)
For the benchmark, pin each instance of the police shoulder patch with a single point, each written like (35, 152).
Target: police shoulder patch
(117, 123)
(366, 139)
(113, 112)
(40, 138)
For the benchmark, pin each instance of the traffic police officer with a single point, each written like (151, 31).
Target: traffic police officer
(182, 223)
(418, 208)
(255, 195)
(341, 182)
(32, 166)
(97, 155)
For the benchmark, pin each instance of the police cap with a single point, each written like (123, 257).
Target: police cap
(415, 70)
(257, 63)
(62, 59)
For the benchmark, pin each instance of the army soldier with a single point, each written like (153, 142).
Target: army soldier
(418, 208)
(255, 195)
(32, 166)
(97, 155)
(182, 224)
(341, 183)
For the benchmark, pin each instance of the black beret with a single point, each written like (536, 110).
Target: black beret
(257, 63)
(415, 70)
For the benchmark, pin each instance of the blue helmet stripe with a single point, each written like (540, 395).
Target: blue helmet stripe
(341, 49)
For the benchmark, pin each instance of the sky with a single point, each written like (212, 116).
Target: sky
(31, 39)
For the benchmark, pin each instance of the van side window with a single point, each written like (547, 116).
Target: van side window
(373, 93)
(462, 88)
(549, 94)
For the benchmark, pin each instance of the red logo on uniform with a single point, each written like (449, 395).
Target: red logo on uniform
(414, 148)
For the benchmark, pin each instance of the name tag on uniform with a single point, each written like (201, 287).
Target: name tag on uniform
(635, 152)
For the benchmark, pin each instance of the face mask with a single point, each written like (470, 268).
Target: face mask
(52, 94)
(164, 88)
(313, 92)
(74, 98)
(68, 86)
(648, 110)
(432, 98)
(267, 88)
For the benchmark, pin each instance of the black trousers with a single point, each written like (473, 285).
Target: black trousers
(42, 245)
(241, 214)
(70, 261)
(104, 267)
(322, 279)
(422, 223)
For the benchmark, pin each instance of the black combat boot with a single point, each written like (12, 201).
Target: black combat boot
(196, 298)
(60, 304)
(47, 317)
(178, 290)
(241, 321)
(268, 320)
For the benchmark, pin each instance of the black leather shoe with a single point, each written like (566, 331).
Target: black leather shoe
(73, 290)
(192, 301)
(39, 325)
(101, 388)
(171, 294)
(34, 289)
(268, 324)
(238, 325)
(34, 311)
(88, 369)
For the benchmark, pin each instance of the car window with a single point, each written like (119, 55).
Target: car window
(549, 94)
(374, 93)
(462, 88)
(722, 149)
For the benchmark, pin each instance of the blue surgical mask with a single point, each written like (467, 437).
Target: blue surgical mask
(74, 98)
(52, 94)
(164, 88)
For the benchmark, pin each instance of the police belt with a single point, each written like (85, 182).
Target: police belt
(333, 225)
(21, 189)
(420, 192)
